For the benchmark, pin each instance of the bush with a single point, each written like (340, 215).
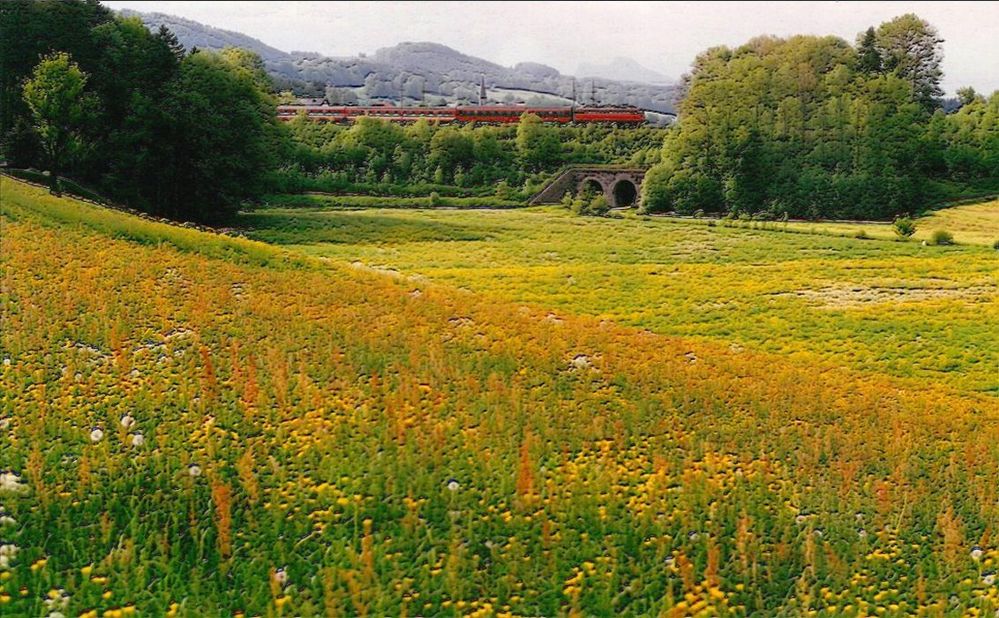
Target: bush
(904, 227)
(861, 234)
(995, 245)
(942, 237)
(434, 199)
(598, 206)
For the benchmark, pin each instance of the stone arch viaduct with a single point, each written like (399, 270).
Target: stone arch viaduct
(622, 186)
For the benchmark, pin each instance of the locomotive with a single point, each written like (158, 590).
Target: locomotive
(620, 115)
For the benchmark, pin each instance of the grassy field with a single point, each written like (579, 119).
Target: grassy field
(975, 224)
(185, 431)
(897, 308)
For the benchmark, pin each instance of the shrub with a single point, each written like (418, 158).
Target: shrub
(904, 227)
(861, 234)
(598, 206)
(995, 245)
(434, 199)
(942, 237)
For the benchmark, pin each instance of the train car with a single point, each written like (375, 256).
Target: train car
(480, 114)
(349, 113)
(510, 114)
(618, 115)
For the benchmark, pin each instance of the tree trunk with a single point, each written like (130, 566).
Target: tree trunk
(54, 188)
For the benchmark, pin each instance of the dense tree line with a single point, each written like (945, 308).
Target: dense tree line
(376, 155)
(814, 127)
(100, 98)
(805, 127)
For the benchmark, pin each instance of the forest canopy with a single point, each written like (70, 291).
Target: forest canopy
(813, 127)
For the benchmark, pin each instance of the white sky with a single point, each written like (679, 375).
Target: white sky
(664, 36)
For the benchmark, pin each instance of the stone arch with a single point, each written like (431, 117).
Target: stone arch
(591, 184)
(624, 193)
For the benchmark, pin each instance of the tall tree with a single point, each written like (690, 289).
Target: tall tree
(966, 95)
(220, 128)
(537, 144)
(172, 42)
(911, 48)
(868, 55)
(55, 95)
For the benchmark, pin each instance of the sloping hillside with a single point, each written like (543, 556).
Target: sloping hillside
(187, 435)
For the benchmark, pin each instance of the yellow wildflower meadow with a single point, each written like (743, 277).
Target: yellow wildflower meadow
(320, 439)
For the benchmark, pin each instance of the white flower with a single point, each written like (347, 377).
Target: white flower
(138, 439)
(988, 579)
(801, 519)
(96, 434)
(862, 534)
(4, 423)
(11, 482)
(976, 553)
(194, 470)
(8, 552)
(280, 576)
(453, 485)
(57, 599)
(7, 520)
(6, 362)
(127, 421)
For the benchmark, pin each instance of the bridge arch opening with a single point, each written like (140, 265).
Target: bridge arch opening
(590, 187)
(625, 194)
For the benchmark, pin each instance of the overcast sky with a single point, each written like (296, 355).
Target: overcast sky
(663, 36)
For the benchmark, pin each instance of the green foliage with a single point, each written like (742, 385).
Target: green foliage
(868, 56)
(537, 143)
(55, 95)
(910, 48)
(942, 237)
(433, 200)
(124, 111)
(904, 227)
(223, 122)
(387, 159)
(810, 126)
(598, 206)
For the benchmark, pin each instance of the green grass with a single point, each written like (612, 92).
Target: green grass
(23, 200)
(891, 307)
(322, 200)
(973, 224)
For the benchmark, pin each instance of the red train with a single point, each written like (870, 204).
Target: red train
(482, 114)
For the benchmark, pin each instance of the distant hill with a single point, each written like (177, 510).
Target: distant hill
(420, 71)
(624, 69)
(195, 34)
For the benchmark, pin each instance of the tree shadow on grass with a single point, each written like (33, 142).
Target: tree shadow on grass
(301, 228)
